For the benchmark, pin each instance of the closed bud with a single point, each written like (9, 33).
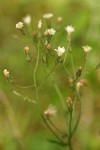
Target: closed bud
(79, 71)
(6, 73)
(69, 101)
(59, 19)
(48, 46)
(26, 49)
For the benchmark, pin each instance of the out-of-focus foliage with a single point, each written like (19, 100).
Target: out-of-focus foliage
(20, 119)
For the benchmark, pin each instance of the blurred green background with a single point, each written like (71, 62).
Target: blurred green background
(20, 122)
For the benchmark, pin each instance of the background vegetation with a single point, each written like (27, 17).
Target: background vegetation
(20, 121)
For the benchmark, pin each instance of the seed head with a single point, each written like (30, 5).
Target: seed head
(51, 111)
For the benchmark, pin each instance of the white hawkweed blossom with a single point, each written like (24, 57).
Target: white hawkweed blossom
(51, 111)
(6, 73)
(27, 19)
(86, 48)
(48, 16)
(19, 25)
(39, 24)
(60, 51)
(69, 29)
(51, 31)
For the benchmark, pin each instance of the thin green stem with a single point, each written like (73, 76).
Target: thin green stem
(34, 75)
(79, 115)
(23, 87)
(47, 77)
(54, 126)
(85, 64)
(50, 128)
(72, 62)
(59, 94)
(66, 52)
(25, 98)
(70, 75)
(70, 130)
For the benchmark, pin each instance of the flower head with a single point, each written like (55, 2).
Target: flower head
(48, 16)
(26, 49)
(60, 51)
(86, 48)
(27, 19)
(39, 24)
(69, 29)
(80, 83)
(6, 73)
(51, 111)
(19, 25)
(51, 31)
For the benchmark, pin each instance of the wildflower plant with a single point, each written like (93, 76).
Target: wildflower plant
(42, 41)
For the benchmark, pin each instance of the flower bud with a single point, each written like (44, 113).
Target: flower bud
(26, 49)
(39, 24)
(59, 19)
(6, 73)
(79, 71)
(69, 101)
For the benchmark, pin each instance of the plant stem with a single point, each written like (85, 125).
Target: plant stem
(47, 77)
(69, 42)
(34, 78)
(72, 62)
(79, 115)
(50, 128)
(57, 129)
(70, 130)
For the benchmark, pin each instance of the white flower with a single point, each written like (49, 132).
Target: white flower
(86, 48)
(19, 25)
(27, 19)
(51, 31)
(69, 29)
(60, 51)
(39, 24)
(48, 16)
(6, 73)
(51, 111)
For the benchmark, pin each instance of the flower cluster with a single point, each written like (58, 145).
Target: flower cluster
(52, 55)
